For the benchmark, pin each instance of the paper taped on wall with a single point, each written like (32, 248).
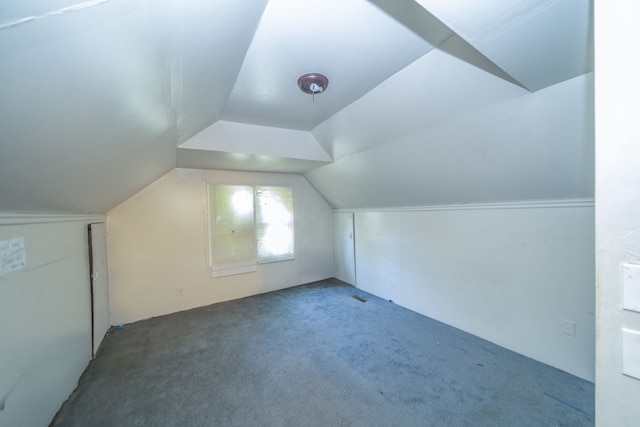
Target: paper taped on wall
(12, 255)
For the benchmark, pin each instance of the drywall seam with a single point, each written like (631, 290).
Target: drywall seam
(61, 11)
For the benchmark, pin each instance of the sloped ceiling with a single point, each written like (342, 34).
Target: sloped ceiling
(101, 97)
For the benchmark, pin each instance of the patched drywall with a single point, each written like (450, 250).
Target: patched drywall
(158, 246)
(509, 273)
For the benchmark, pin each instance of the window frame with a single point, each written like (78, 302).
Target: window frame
(248, 265)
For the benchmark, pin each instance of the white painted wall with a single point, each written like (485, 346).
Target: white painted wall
(158, 246)
(537, 146)
(45, 318)
(94, 99)
(506, 273)
(617, 203)
(508, 33)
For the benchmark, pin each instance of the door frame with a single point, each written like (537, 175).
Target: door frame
(93, 276)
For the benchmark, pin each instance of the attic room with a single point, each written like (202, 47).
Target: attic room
(469, 162)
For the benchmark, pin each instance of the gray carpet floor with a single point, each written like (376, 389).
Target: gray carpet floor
(315, 356)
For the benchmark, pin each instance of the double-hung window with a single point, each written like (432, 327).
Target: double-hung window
(249, 225)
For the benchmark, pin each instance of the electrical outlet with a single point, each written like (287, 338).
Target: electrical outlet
(180, 292)
(569, 327)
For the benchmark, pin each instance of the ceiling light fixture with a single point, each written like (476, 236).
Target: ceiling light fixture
(313, 83)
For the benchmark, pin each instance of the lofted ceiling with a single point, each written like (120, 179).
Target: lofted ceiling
(101, 97)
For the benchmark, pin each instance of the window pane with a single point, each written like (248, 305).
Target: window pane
(274, 223)
(232, 230)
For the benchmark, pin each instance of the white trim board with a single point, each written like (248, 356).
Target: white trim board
(538, 204)
(18, 218)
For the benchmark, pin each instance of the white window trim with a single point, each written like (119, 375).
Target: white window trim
(216, 273)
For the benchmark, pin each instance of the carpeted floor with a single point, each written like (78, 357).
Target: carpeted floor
(315, 356)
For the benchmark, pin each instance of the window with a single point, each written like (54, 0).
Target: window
(249, 225)
(231, 229)
(274, 223)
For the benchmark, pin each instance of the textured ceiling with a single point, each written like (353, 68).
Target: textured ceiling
(101, 97)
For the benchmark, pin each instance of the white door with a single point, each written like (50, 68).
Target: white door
(99, 285)
(344, 247)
